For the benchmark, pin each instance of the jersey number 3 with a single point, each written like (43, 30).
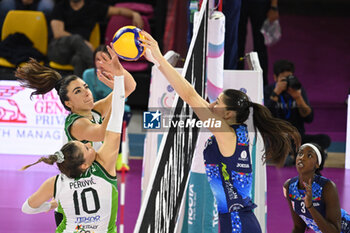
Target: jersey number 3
(302, 204)
(83, 195)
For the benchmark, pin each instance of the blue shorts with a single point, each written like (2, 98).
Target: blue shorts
(240, 222)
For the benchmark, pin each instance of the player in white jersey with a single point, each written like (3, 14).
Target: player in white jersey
(86, 190)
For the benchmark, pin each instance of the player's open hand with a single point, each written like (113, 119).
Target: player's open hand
(153, 53)
(308, 194)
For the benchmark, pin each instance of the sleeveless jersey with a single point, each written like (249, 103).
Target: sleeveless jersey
(71, 118)
(297, 195)
(88, 203)
(230, 178)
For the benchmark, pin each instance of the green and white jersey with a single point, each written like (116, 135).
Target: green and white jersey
(88, 203)
(71, 118)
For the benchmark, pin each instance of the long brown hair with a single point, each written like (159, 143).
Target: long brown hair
(73, 159)
(279, 136)
(43, 79)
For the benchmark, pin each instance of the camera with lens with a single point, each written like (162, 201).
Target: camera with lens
(293, 82)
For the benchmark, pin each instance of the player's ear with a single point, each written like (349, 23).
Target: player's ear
(229, 114)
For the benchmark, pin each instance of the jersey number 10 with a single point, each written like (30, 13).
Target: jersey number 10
(84, 203)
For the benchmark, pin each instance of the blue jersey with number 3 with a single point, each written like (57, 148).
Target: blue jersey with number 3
(297, 195)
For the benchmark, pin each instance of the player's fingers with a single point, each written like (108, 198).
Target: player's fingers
(105, 57)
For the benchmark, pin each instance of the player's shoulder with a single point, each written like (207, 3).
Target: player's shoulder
(329, 185)
(286, 183)
(290, 181)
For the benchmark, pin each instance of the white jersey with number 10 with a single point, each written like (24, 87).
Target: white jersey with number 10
(89, 203)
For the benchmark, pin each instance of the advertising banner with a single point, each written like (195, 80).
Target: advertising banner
(29, 126)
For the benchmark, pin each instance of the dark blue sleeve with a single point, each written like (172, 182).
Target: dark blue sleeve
(309, 118)
(269, 103)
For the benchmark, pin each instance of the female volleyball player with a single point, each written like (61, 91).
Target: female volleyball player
(85, 121)
(227, 158)
(86, 189)
(313, 199)
(99, 91)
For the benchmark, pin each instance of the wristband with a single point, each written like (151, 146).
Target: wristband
(26, 208)
(310, 206)
(118, 101)
(274, 8)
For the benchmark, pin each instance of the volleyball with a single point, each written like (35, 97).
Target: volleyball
(126, 43)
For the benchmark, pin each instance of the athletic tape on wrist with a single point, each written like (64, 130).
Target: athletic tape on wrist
(118, 101)
(30, 210)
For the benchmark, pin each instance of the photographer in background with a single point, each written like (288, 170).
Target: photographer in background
(287, 100)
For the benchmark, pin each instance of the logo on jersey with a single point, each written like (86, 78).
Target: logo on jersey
(243, 156)
(81, 229)
(224, 172)
(92, 219)
(209, 142)
(84, 229)
(243, 165)
(235, 207)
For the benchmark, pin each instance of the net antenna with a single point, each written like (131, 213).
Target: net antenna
(253, 61)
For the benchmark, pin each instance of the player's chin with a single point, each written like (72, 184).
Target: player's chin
(90, 103)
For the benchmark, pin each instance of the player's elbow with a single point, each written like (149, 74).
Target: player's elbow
(132, 87)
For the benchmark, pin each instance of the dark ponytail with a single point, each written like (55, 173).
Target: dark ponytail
(51, 159)
(36, 76)
(70, 166)
(43, 79)
(279, 136)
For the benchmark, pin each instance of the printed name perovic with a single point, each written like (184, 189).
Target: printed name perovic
(210, 123)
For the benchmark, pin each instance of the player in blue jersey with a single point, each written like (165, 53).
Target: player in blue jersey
(227, 157)
(86, 190)
(313, 199)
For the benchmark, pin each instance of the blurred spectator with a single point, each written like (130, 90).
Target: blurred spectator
(287, 100)
(45, 6)
(257, 11)
(231, 10)
(99, 89)
(72, 23)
